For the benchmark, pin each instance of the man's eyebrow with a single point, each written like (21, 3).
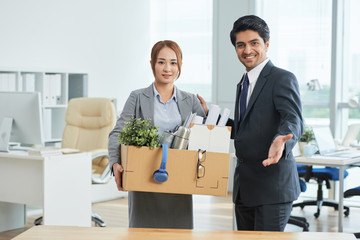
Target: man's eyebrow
(252, 40)
(255, 40)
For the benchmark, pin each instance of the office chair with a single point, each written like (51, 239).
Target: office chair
(320, 175)
(300, 221)
(350, 193)
(88, 124)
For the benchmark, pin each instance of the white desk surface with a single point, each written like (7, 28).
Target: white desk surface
(342, 164)
(18, 154)
(94, 233)
(326, 160)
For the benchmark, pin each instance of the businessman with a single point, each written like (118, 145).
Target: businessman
(266, 126)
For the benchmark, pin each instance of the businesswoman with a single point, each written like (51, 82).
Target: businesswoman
(167, 106)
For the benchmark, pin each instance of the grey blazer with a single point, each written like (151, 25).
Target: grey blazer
(147, 209)
(140, 104)
(274, 109)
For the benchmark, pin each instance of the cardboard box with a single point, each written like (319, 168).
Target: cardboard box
(140, 163)
(209, 137)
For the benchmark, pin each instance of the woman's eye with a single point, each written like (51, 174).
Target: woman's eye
(160, 62)
(174, 63)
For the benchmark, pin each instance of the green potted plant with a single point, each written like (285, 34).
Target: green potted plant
(306, 138)
(140, 133)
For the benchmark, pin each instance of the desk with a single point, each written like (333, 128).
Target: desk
(60, 184)
(342, 164)
(82, 233)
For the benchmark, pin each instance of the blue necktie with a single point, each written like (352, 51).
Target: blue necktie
(243, 97)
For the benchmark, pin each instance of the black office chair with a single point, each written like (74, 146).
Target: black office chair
(300, 221)
(321, 175)
(353, 192)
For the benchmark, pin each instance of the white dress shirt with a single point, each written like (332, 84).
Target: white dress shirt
(253, 76)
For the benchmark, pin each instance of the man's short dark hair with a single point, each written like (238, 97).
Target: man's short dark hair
(250, 22)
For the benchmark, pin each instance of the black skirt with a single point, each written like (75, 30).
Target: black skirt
(160, 210)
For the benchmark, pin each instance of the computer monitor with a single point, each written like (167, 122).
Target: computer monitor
(20, 119)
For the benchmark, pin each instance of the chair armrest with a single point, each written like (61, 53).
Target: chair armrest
(99, 153)
(105, 176)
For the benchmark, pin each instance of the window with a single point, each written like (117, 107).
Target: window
(351, 72)
(189, 23)
(300, 41)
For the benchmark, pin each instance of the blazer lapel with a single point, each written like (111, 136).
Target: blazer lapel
(184, 106)
(147, 103)
(258, 87)
(236, 116)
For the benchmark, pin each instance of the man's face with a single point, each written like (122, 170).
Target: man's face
(250, 48)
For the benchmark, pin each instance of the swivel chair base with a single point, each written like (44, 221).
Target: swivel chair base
(38, 221)
(97, 220)
(94, 217)
(300, 222)
(319, 204)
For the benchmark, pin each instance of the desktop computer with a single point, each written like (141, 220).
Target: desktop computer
(20, 119)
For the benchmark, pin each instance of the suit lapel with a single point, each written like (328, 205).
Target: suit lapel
(258, 87)
(236, 117)
(147, 103)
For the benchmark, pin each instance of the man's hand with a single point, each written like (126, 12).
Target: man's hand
(203, 104)
(276, 150)
(118, 170)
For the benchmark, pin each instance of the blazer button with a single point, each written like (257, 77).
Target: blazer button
(240, 160)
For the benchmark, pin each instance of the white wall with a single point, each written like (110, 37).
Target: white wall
(107, 39)
(227, 69)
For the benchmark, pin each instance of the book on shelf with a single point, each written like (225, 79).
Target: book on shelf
(8, 82)
(52, 89)
(28, 82)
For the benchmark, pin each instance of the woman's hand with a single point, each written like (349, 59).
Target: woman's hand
(203, 104)
(118, 170)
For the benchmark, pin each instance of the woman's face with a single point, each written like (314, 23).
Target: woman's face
(166, 66)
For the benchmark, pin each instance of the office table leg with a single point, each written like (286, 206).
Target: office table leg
(341, 198)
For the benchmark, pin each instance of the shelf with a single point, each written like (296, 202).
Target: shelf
(56, 89)
(55, 106)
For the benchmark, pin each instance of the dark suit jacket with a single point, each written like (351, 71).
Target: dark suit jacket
(274, 109)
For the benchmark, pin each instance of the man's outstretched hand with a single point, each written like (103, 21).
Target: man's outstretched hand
(276, 149)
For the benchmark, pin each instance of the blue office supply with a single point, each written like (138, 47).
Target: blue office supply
(161, 175)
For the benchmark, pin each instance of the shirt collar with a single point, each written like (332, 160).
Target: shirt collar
(254, 73)
(157, 94)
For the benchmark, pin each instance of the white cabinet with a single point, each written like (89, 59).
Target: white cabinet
(56, 88)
